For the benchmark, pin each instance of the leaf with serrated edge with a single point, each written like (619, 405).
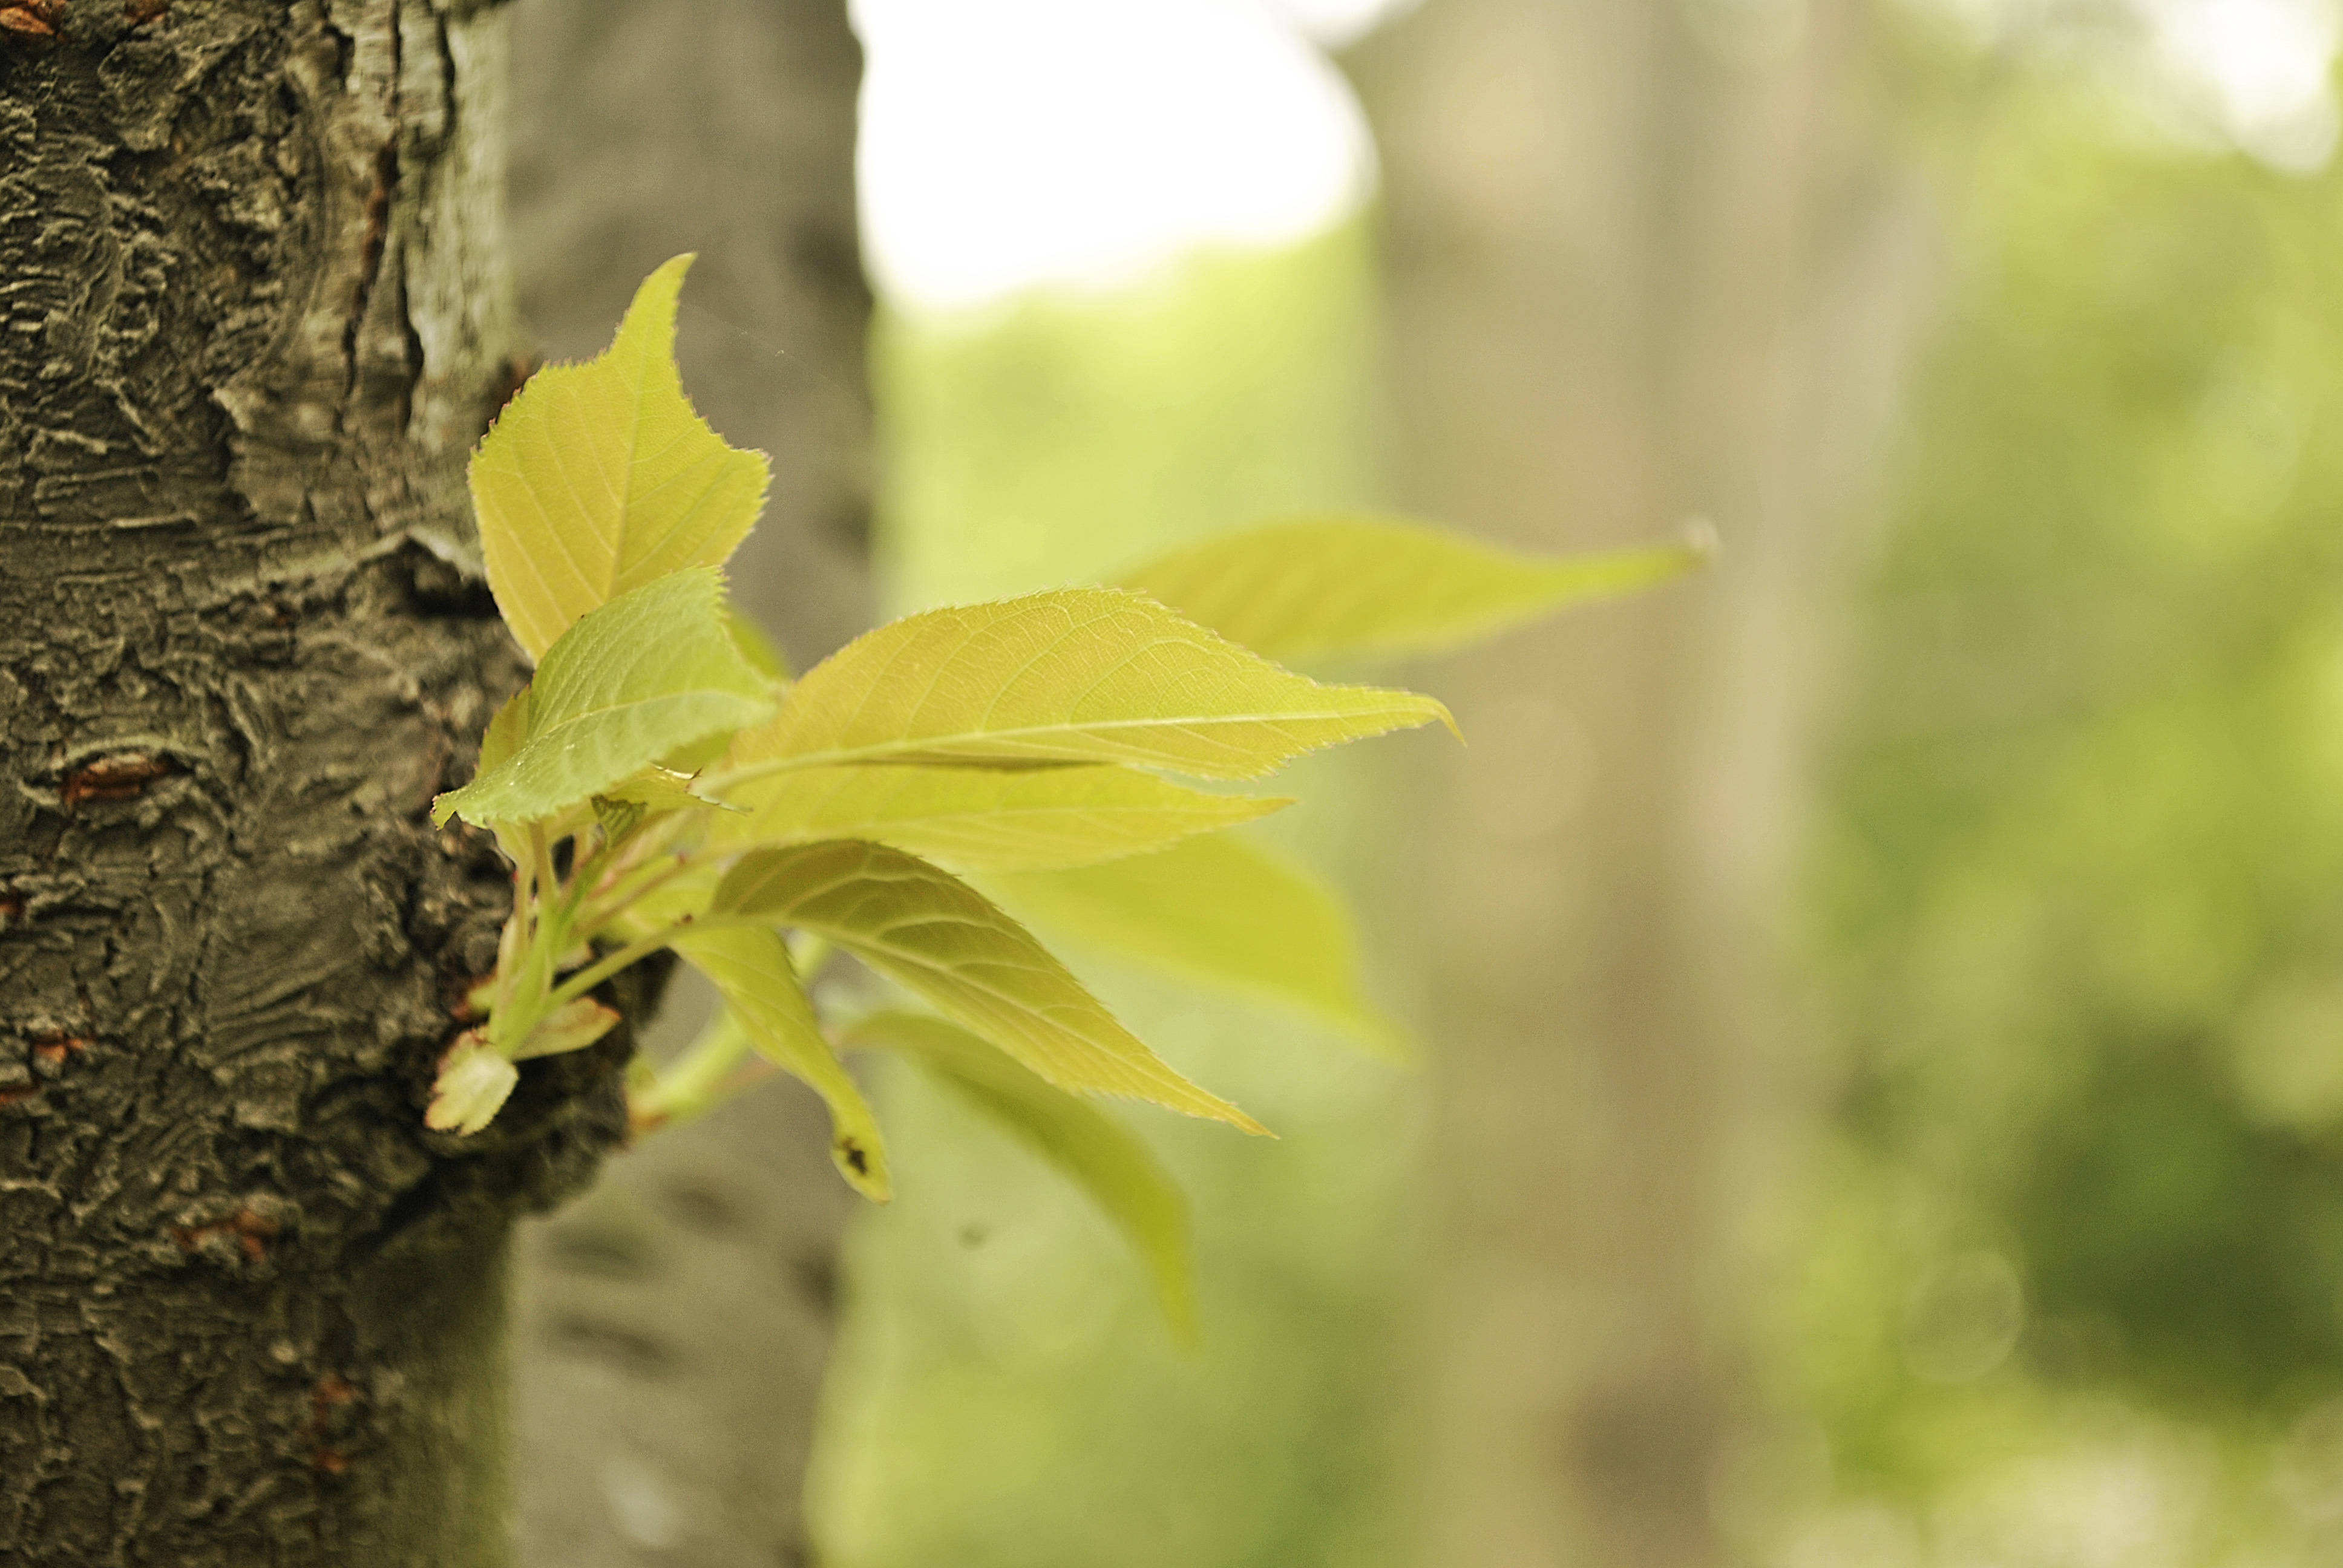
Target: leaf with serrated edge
(753, 971)
(1219, 911)
(982, 819)
(599, 478)
(1098, 1153)
(1078, 674)
(1329, 587)
(933, 934)
(649, 672)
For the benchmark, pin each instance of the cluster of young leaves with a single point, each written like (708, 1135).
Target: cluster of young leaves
(663, 783)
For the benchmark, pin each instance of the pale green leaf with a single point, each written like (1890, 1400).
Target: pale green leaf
(598, 478)
(505, 733)
(1079, 675)
(1098, 1153)
(760, 985)
(982, 819)
(1219, 911)
(1340, 586)
(755, 646)
(652, 670)
(762, 653)
(659, 788)
(653, 792)
(573, 1026)
(933, 934)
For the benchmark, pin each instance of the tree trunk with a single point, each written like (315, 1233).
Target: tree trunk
(1642, 269)
(673, 1326)
(250, 1310)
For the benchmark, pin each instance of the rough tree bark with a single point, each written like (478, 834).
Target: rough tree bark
(672, 1327)
(1646, 264)
(250, 1310)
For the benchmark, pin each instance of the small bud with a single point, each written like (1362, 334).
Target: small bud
(472, 1086)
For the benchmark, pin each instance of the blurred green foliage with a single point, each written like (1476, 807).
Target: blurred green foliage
(2078, 891)
(2063, 1282)
(1008, 1395)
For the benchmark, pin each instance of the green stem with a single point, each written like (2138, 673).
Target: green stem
(701, 1077)
(610, 904)
(540, 854)
(585, 979)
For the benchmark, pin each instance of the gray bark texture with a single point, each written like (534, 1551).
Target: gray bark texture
(251, 1312)
(1647, 263)
(672, 1327)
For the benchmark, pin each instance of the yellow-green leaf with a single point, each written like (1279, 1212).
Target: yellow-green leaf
(933, 934)
(1221, 910)
(756, 647)
(573, 1026)
(659, 788)
(1325, 587)
(752, 969)
(1079, 675)
(652, 670)
(599, 478)
(505, 733)
(1096, 1151)
(982, 819)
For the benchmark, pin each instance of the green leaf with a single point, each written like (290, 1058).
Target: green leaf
(598, 479)
(753, 971)
(1340, 586)
(1079, 675)
(649, 672)
(758, 649)
(927, 930)
(573, 1026)
(505, 733)
(1223, 911)
(1098, 1153)
(982, 819)
(651, 793)
(762, 653)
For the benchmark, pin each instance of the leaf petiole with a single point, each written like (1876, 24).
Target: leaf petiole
(634, 952)
(711, 1069)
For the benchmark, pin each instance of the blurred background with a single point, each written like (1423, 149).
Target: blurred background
(1882, 1000)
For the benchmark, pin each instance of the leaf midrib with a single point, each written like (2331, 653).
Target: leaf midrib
(912, 746)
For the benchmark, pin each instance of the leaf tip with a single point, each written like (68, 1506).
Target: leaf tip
(1241, 1122)
(651, 314)
(864, 1168)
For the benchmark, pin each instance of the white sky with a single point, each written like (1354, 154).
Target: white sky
(2263, 66)
(1012, 144)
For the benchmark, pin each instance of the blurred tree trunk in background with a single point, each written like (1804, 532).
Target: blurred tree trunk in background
(674, 1324)
(1647, 263)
